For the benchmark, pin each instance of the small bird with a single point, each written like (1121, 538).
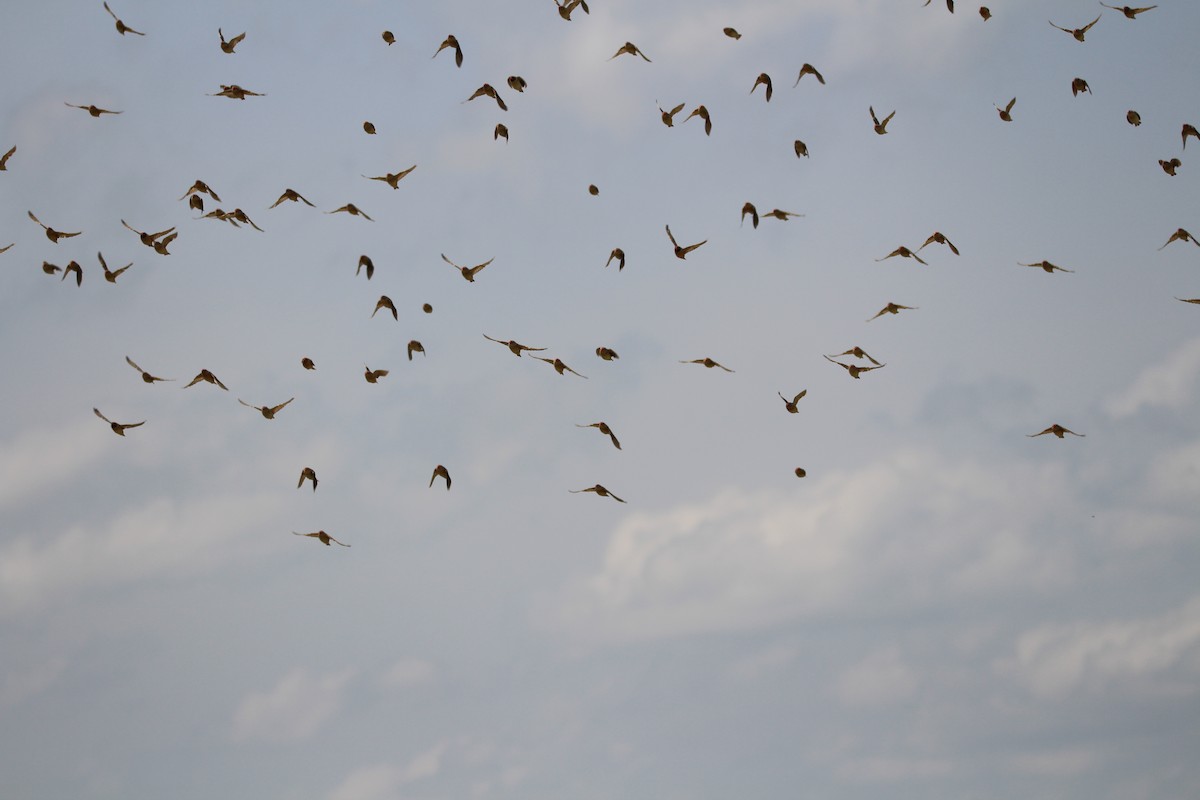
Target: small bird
(73, 266)
(310, 474)
(790, 405)
(268, 412)
(1057, 430)
(415, 347)
(808, 69)
(291, 195)
(598, 489)
(800, 472)
(731, 33)
(110, 275)
(1006, 112)
(161, 245)
(558, 365)
(629, 48)
(880, 127)
(702, 112)
(122, 28)
(567, 7)
(352, 210)
(365, 261)
(323, 537)
(763, 79)
(801, 148)
(1131, 13)
(857, 352)
(1078, 33)
(385, 302)
(392, 179)
(235, 92)
(985, 12)
(681, 252)
(619, 255)
(708, 362)
(244, 218)
(146, 376)
(49, 268)
(308, 363)
(1079, 85)
(196, 202)
(1195, 300)
(748, 208)
(1181, 235)
(369, 128)
(603, 428)
(939, 238)
(607, 353)
(1169, 167)
(440, 472)
(487, 90)
(147, 238)
(593, 189)
(1188, 130)
(228, 46)
(501, 131)
(117, 427)
(1046, 266)
(668, 117)
(892, 308)
(855, 370)
(517, 83)
(451, 41)
(4, 159)
(468, 273)
(781, 215)
(428, 309)
(949, 4)
(904, 252)
(514, 347)
(373, 375)
(52, 234)
(208, 377)
(201, 186)
(6, 247)
(389, 37)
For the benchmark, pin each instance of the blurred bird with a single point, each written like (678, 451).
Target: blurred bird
(558, 365)
(1046, 266)
(790, 405)
(196, 202)
(763, 79)
(52, 234)
(440, 472)
(386, 302)
(308, 363)
(949, 4)
(310, 474)
(389, 37)
(369, 128)
(854, 370)
(1006, 112)
(147, 238)
(1169, 167)
(415, 347)
(1181, 235)
(880, 127)
(500, 131)
(73, 266)
(1133, 118)
(451, 41)
(567, 7)
(244, 218)
(228, 46)
(629, 48)
(373, 375)
(146, 376)
(514, 347)
(49, 268)
(428, 309)
(800, 472)
(352, 210)
(109, 275)
(603, 428)
(4, 159)
(985, 12)
(731, 33)
(1079, 85)
(208, 377)
(117, 427)
(1195, 300)
(939, 238)
(1057, 430)
(809, 69)
(619, 255)
(487, 90)
(365, 261)
(235, 92)
(1188, 130)
(681, 252)
(781, 215)
(468, 273)
(161, 245)
(268, 412)
(392, 179)
(1078, 33)
(122, 28)
(7, 247)
(1131, 13)
(291, 195)
(668, 117)
(904, 252)
(323, 537)
(708, 362)
(892, 308)
(749, 208)
(517, 83)
(201, 186)
(593, 189)
(801, 148)
(857, 352)
(701, 112)
(607, 353)
(598, 489)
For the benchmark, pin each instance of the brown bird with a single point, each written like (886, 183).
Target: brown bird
(1195, 300)
(749, 208)
(487, 90)
(1131, 13)
(365, 261)
(939, 238)
(809, 69)
(631, 49)
(161, 245)
(73, 266)
(857, 352)
(1188, 130)
(235, 92)
(228, 46)
(763, 79)
(1006, 112)
(790, 405)
(702, 112)
(468, 273)
(147, 238)
(1079, 85)
(268, 412)
(985, 12)
(117, 427)
(308, 363)
(619, 255)
(4, 159)
(428, 309)
(892, 308)
(500, 131)
(607, 353)
(708, 362)
(603, 428)
(415, 347)
(392, 179)
(681, 252)
(593, 189)
(1057, 430)
(904, 252)
(207, 377)
(880, 127)
(389, 37)
(801, 148)
(1046, 266)
(352, 210)
(386, 302)
(567, 7)
(731, 33)
(514, 347)
(110, 275)
(201, 186)
(122, 28)
(310, 474)
(800, 472)
(323, 537)
(598, 489)
(1078, 33)
(440, 472)
(146, 376)
(517, 83)
(668, 117)
(558, 365)
(781, 215)
(243, 218)
(52, 234)
(196, 202)
(451, 41)
(373, 375)
(49, 268)
(369, 127)
(855, 370)
(291, 195)
(1181, 235)
(1169, 167)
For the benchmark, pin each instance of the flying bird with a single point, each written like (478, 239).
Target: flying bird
(619, 255)
(514, 347)
(4, 159)
(352, 210)
(702, 112)
(73, 266)
(809, 69)
(904, 252)
(880, 127)
(949, 4)
(161, 245)
(1188, 130)
(95, 111)
(268, 412)
(7, 247)
(292, 196)
(52, 234)
(392, 179)
(629, 48)
(748, 208)
(781, 215)
(228, 46)
(308, 363)
(235, 92)
(731, 33)
(800, 472)
(1078, 33)
(365, 261)
(1129, 12)
(517, 83)
(892, 308)
(1169, 167)
(1057, 430)
(681, 252)
(567, 7)
(117, 427)
(1006, 112)
(208, 377)
(487, 90)
(939, 238)
(1046, 266)
(385, 302)
(310, 474)
(790, 405)
(500, 131)
(373, 375)
(147, 238)
(604, 429)
(1181, 235)
(428, 309)
(49, 268)
(389, 37)
(415, 347)
(1079, 85)
(146, 376)
(801, 148)
(607, 353)
(985, 12)
(593, 189)
(323, 537)
(854, 369)
(369, 128)
(857, 352)
(668, 117)
(468, 273)
(763, 79)
(440, 472)
(1195, 300)
(201, 186)
(597, 489)
(708, 362)
(110, 275)
(451, 41)
(122, 28)
(558, 365)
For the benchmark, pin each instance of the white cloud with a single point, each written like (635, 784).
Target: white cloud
(1169, 383)
(42, 459)
(882, 678)
(384, 781)
(294, 709)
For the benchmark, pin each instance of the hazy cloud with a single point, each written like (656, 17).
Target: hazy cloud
(294, 709)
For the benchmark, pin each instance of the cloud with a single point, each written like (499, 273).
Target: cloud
(384, 781)
(882, 678)
(1170, 383)
(41, 459)
(294, 709)
(407, 672)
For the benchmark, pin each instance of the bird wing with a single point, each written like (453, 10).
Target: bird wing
(101, 416)
(135, 366)
(692, 247)
(240, 400)
(669, 234)
(278, 408)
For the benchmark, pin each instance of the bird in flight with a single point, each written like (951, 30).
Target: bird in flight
(1006, 112)
(790, 405)
(310, 474)
(891, 308)
(1046, 266)
(1078, 33)
(567, 7)
(607, 353)
(514, 347)
(1181, 235)
(117, 427)
(558, 365)
(122, 28)
(111, 275)
(517, 83)
(904, 252)
(629, 48)
(1057, 430)
(604, 429)
(619, 255)
(146, 376)
(452, 42)
(291, 195)
(880, 127)
(352, 210)
(268, 412)
(440, 472)
(373, 375)
(597, 489)
(201, 186)
(668, 117)
(75, 267)
(49, 268)
(52, 234)
(749, 208)
(389, 38)
(985, 12)
(708, 362)
(208, 377)
(244, 218)
(1133, 118)
(1188, 130)
(949, 4)
(468, 273)
(500, 131)
(1079, 85)
(857, 352)
(809, 69)
(228, 46)
(415, 347)
(1169, 167)
(939, 238)
(235, 92)
(801, 148)
(731, 33)
(1129, 12)
(681, 252)
(854, 369)
(148, 239)
(95, 111)
(487, 90)
(781, 215)
(365, 261)
(308, 363)
(385, 302)
(4, 159)
(323, 537)
(763, 79)
(702, 112)
(1194, 300)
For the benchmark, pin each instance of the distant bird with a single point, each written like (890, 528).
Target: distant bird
(1131, 13)
(389, 37)
(593, 189)
(607, 353)
(49, 268)
(939, 238)
(783, 216)
(880, 127)
(985, 12)
(365, 261)
(147, 238)
(558, 365)
(800, 472)
(117, 427)
(323, 537)
(604, 429)
(161, 245)
(809, 69)
(1006, 112)
(949, 4)
(748, 208)
(1188, 130)
(702, 112)
(428, 309)
(75, 267)
(731, 33)
(892, 308)
(95, 111)
(1078, 33)
(1079, 85)
(1057, 430)
(597, 489)
(52, 234)
(228, 46)
(244, 218)
(291, 195)
(386, 302)
(415, 347)
(440, 472)
(1133, 118)
(801, 148)
(369, 128)
(451, 41)
(352, 210)
(517, 83)
(668, 117)
(681, 252)
(308, 363)
(567, 7)
(904, 252)
(514, 347)
(235, 92)
(854, 369)
(1181, 235)
(857, 352)
(501, 131)
(146, 376)
(201, 186)
(4, 159)
(268, 412)
(619, 255)
(122, 28)
(487, 90)
(109, 275)
(310, 474)
(708, 362)
(196, 202)
(392, 179)
(373, 375)
(1195, 300)
(629, 48)
(790, 405)
(763, 79)
(1169, 167)
(468, 273)
(1046, 266)
(208, 377)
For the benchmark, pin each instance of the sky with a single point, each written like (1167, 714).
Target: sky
(943, 607)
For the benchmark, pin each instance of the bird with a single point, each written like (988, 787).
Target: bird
(880, 127)
(73, 266)
(373, 375)
(369, 127)
(801, 148)
(321, 536)
(567, 7)
(146, 376)
(161, 245)
(702, 112)
(593, 189)
(235, 92)
(1131, 13)
(949, 4)
(196, 202)
(748, 208)
(487, 90)
(228, 46)
(603, 428)
(201, 186)
(781, 215)
(1181, 235)
(939, 238)
(668, 117)
(147, 238)
(629, 48)
(440, 472)
(1169, 167)
(857, 352)
(1006, 112)
(389, 37)
(597, 489)
(809, 69)
(308, 363)
(892, 308)
(985, 12)
(365, 261)
(468, 273)
(501, 131)
(385, 302)
(517, 83)
(514, 347)
(352, 210)
(1078, 33)
(95, 111)
(428, 309)
(451, 41)
(49, 268)
(310, 474)
(1195, 300)
(854, 370)
(244, 218)
(415, 347)
(207, 377)
(392, 179)
(731, 33)
(1079, 85)
(708, 362)
(800, 472)
(904, 252)
(1133, 118)
(681, 252)
(790, 405)
(268, 412)
(558, 365)
(1057, 430)
(111, 275)
(1046, 266)
(52, 234)
(6, 247)
(763, 79)
(117, 427)
(122, 28)
(607, 353)
(618, 254)
(1188, 130)
(4, 159)
(291, 195)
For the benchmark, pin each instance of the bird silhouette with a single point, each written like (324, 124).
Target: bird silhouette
(854, 369)
(373, 375)
(939, 238)
(857, 352)
(310, 474)
(1169, 167)
(386, 302)
(1188, 130)
(1057, 430)
(781, 215)
(891, 308)
(146, 376)
(365, 261)
(1193, 300)
(321, 536)
(352, 210)
(52, 234)
(731, 33)
(604, 429)
(668, 117)
(702, 112)
(567, 7)
(763, 79)
(801, 148)
(1181, 235)
(629, 48)
(308, 363)
(117, 427)
(110, 275)
(607, 353)
(235, 92)
(514, 347)
(1079, 85)
(1046, 266)
(228, 46)
(708, 362)
(208, 377)
(268, 412)
(618, 254)
(985, 12)
(790, 405)
(292, 196)
(681, 252)
(415, 347)
(809, 69)
(49, 268)
(122, 28)
(201, 186)
(1129, 12)
(880, 127)
(146, 238)
(1078, 33)
(904, 252)
(517, 83)
(369, 129)
(748, 208)
(468, 273)
(1006, 112)
(597, 489)
(440, 472)
(452, 42)
(75, 267)
(389, 37)
(487, 90)
(501, 131)
(558, 365)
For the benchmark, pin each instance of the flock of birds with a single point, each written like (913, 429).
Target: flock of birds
(854, 360)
